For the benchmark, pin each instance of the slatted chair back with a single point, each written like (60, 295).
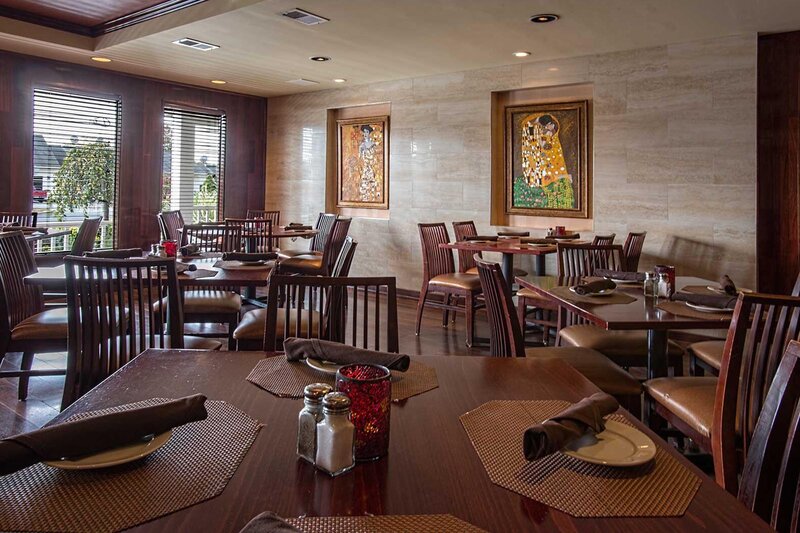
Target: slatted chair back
(9, 218)
(505, 339)
(256, 233)
(113, 316)
(344, 309)
(461, 231)
(324, 226)
(170, 223)
(18, 301)
(334, 243)
(632, 250)
(87, 234)
(435, 260)
(604, 240)
(761, 328)
(576, 260)
(345, 260)
(214, 237)
(771, 473)
(274, 216)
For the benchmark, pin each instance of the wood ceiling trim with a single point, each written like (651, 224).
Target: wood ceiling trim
(125, 21)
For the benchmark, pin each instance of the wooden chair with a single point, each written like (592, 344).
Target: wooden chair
(771, 474)
(317, 245)
(720, 414)
(439, 276)
(9, 218)
(604, 240)
(345, 310)
(84, 242)
(465, 229)
(256, 233)
(320, 264)
(632, 250)
(506, 341)
(578, 260)
(114, 308)
(171, 223)
(272, 216)
(214, 238)
(249, 334)
(25, 325)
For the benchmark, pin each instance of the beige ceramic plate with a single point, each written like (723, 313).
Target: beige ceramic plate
(619, 445)
(720, 291)
(117, 456)
(625, 281)
(707, 309)
(605, 292)
(327, 367)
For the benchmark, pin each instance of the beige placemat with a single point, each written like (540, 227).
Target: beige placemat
(197, 274)
(440, 523)
(615, 298)
(237, 265)
(681, 309)
(662, 487)
(194, 465)
(287, 380)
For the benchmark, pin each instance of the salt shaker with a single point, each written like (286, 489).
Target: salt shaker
(664, 289)
(650, 285)
(310, 415)
(335, 435)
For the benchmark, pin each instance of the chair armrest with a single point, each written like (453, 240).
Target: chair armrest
(50, 259)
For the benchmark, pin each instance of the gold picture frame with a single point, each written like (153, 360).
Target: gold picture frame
(362, 162)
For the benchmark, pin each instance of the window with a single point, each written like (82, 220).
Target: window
(75, 149)
(194, 164)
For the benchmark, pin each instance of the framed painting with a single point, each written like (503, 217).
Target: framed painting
(363, 162)
(546, 170)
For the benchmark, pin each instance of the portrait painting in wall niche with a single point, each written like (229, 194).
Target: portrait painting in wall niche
(546, 160)
(363, 162)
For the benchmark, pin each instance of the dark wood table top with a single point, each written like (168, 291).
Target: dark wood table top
(641, 314)
(54, 278)
(33, 237)
(431, 466)
(504, 246)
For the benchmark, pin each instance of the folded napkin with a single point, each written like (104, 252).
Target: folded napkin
(619, 274)
(268, 522)
(721, 301)
(180, 268)
(239, 256)
(579, 419)
(341, 354)
(123, 253)
(537, 240)
(513, 233)
(296, 226)
(727, 285)
(190, 250)
(594, 287)
(480, 238)
(98, 433)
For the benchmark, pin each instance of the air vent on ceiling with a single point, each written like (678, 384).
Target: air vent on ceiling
(303, 81)
(304, 17)
(195, 44)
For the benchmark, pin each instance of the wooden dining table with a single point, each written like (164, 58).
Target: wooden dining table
(33, 237)
(431, 467)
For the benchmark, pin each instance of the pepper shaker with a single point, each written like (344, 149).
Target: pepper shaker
(335, 435)
(310, 415)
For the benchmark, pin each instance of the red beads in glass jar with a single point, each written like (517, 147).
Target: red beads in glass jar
(369, 388)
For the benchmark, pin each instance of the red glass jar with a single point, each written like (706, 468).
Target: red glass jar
(171, 247)
(369, 388)
(669, 270)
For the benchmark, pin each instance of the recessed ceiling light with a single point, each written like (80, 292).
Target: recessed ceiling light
(219, 82)
(101, 59)
(319, 58)
(553, 69)
(195, 44)
(521, 54)
(544, 18)
(339, 80)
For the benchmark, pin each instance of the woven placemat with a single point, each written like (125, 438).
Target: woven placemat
(194, 465)
(287, 380)
(662, 487)
(440, 523)
(615, 298)
(681, 309)
(197, 274)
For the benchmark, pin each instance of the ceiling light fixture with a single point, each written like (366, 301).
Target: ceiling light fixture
(521, 54)
(339, 80)
(219, 82)
(101, 59)
(319, 58)
(195, 44)
(553, 69)
(544, 18)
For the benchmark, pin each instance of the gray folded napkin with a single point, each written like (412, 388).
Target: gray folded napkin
(537, 240)
(594, 287)
(480, 238)
(239, 256)
(98, 433)
(294, 226)
(342, 354)
(268, 522)
(513, 233)
(721, 301)
(727, 285)
(579, 419)
(122, 253)
(619, 274)
(190, 250)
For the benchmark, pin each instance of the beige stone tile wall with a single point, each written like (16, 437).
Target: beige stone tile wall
(674, 154)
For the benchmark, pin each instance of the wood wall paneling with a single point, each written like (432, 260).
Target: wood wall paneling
(140, 156)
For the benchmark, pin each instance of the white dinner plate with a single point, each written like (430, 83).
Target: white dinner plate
(720, 291)
(535, 245)
(325, 367)
(625, 281)
(116, 456)
(604, 292)
(707, 309)
(619, 445)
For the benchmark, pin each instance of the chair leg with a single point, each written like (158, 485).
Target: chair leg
(470, 312)
(423, 294)
(522, 309)
(27, 363)
(231, 327)
(446, 312)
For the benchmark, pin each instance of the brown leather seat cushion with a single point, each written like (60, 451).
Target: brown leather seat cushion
(517, 272)
(304, 264)
(628, 348)
(469, 282)
(710, 352)
(254, 322)
(596, 367)
(49, 324)
(293, 252)
(690, 398)
(210, 301)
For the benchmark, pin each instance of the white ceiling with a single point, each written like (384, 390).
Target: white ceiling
(379, 40)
